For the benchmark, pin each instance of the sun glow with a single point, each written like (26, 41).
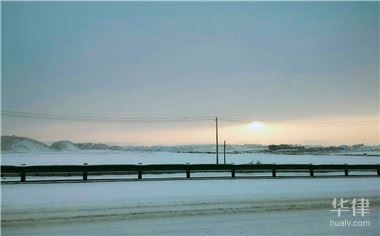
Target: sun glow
(256, 126)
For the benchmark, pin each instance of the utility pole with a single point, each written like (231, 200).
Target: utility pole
(217, 145)
(224, 151)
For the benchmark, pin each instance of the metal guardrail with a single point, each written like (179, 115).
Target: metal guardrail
(23, 171)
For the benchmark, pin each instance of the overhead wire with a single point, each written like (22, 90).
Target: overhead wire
(167, 119)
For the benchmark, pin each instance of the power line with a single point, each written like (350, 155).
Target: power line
(46, 116)
(166, 119)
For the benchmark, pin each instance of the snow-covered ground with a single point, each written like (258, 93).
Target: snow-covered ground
(290, 206)
(233, 206)
(129, 157)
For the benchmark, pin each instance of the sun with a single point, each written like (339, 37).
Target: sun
(255, 126)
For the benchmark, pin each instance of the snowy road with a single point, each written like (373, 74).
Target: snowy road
(229, 206)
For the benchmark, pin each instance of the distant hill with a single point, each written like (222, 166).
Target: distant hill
(22, 144)
(65, 145)
(93, 146)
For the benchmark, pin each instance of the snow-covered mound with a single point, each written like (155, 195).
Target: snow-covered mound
(22, 144)
(64, 145)
(97, 146)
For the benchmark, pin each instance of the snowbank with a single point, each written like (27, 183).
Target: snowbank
(37, 208)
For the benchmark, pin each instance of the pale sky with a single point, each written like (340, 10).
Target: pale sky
(313, 68)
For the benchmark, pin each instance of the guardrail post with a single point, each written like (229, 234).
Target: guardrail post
(345, 170)
(311, 170)
(139, 174)
(233, 173)
(85, 174)
(188, 173)
(378, 171)
(23, 176)
(273, 172)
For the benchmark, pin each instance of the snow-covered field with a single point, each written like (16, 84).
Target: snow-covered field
(183, 207)
(234, 206)
(128, 157)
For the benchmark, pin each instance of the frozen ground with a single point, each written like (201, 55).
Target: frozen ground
(122, 157)
(233, 206)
